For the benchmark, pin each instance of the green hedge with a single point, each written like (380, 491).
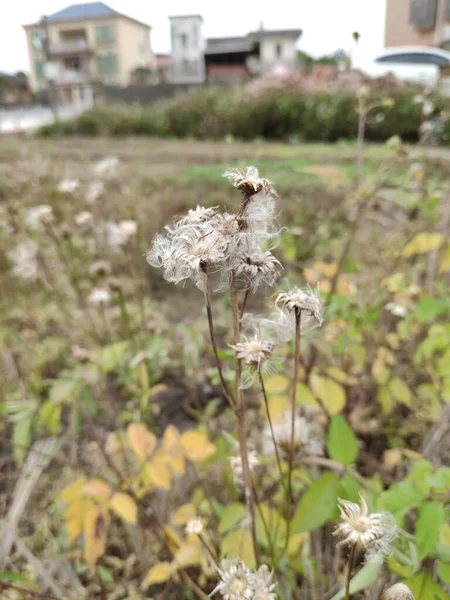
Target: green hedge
(213, 113)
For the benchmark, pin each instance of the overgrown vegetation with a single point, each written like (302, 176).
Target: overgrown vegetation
(214, 113)
(118, 431)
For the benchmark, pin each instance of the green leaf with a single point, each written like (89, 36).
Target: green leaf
(21, 438)
(63, 390)
(268, 518)
(400, 498)
(342, 443)
(421, 244)
(363, 579)
(428, 525)
(424, 587)
(443, 570)
(318, 504)
(109, 357)
(349, 489)
(17, 577)
(400, 392)
(238, 544)
(232, 515)
(429, 308)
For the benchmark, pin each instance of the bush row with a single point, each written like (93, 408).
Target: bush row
(213, 113)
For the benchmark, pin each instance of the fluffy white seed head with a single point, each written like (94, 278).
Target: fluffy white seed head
(307, 441)
(237, 469)
(248, 181)
(253, 351)
(305, 302)
(68, 186)
(194, 526)
(99, 297)
(24, 258)
(236, 581)
(84, 219)
(399, 591)
(37, 216)
(371, 532)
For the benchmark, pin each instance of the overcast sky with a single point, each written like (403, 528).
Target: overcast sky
(327, 24)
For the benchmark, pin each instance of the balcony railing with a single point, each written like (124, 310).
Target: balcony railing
(69, 47)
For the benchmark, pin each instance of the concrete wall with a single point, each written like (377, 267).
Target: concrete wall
(399, 31)
(134, 49)
(269, 51)
(187, 45)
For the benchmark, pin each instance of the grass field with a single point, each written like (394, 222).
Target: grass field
(77, 367)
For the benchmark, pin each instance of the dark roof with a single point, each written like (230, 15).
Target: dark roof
(279, 32)
(76, 12)
(229, 44)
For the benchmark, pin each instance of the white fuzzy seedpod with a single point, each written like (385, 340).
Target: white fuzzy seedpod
(38, 216)
(399, 591)
(305, 302)
(194, 526)
(248, 181)
(99, 297)
(24, 260)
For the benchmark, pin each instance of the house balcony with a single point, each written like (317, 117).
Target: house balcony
(72, 77)
(68, 47)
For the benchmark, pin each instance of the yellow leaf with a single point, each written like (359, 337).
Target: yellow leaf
(238, 544)
(173, 539)
(124, 506)
(75, 517)
(98, 489)
(295, 544)
(422, 243)
(172, 450)
(305, 397)
(197, 446)
(160, 573)
(311, 276)
(331, 393)
(157, 389)
(445, 261)
(278, 405)
(96, 524)
(278, 384)
(141, 441)
(188, 555)
(340, 376)
(326, 269)
(72, 491)
(400, 392)
(184, 513)
(345, 286)
(392, 457)
(159, 473)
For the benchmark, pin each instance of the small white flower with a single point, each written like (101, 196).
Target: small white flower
(68, 186)
(38, 216)
(236, 581)
(397, 310)
(106, 166)
(373, 533)
(237, 469)
(84, 219)
(24, 259)
(194, 526)
(304, 302)
(99, 296)
(94, 191)
(248, 181)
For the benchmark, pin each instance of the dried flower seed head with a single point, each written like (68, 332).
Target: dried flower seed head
(256, 268)
(399, 591)
(106, 166)
(248, 182)
(80, 354)
(236, 581)
(253, 351)
(25, 261)
(307, 438)
(305, 302)
(100, 268)
(84, 219)
(94, 191)
(38, 216)
(194, 526)
(195, 216)
(99, 297)
(371, 532)
(238, 471)
(263, 584)
(68, 186)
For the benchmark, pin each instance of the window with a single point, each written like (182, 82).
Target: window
(107, 64)
(39, 69)
(278, 50)
(183, 40)
(104, 33)
(37, 40)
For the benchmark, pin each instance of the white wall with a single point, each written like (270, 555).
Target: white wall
(268, 51)
(187, 45)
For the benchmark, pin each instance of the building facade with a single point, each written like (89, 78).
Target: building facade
(417, 23)
(187, 46)
(86, 43)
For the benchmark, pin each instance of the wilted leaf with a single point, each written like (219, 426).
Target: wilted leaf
(422, 243)
(428, 525)
(75, 515)
(141, 441)
(196, 446)
(124, 506)
(97, 489)
(295, 544)
(72, 491)
(172, 450)
(63, 390)
(278, 405)
(445, 261)
(159, 473)
(184, 513)
(96, 526)
(160, 573)
(331, 393)
(340, 376)
(188, 555)
(233, 514)
(278, 384)
(317, 505)
(238, 544)
(342, 443)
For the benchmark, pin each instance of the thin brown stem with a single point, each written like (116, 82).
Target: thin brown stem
(212, 334)
(239, 410)
(194, 587)
(298, 317)
(351, 561)
(244, 303)
(208, 548)
(269, 419)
